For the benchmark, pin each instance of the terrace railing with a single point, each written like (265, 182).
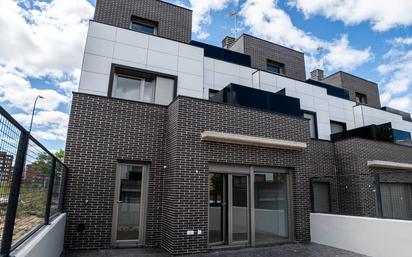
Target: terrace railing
(32, 184)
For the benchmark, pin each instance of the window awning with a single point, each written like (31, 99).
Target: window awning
(221, 137)
(389, 165)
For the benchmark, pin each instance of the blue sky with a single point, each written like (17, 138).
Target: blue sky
(42, 45)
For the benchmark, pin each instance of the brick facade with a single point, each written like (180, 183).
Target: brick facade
(356, 186)
(174, 22)
(261, 50)
(103, 131)
(356, 85)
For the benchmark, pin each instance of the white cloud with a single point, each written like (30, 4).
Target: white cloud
(16, 91)
(42, 40)
(342, 56)
(47, 125)
(266, 20)
(381, 14)
(401, 41)
(201, 14)
(397, 76)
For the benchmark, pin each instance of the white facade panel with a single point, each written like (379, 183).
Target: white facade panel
(130, 53)
(163, 45)
(97, 63)
(191, 52)
(99, 46)
(190, 66)
(191, 82)
(162, 60)
(129, 37)
(101, 30)
(94, 82)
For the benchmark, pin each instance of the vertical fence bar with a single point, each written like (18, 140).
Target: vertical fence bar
(62, 188)
(379, 210)
(50, 191)
(14, 194)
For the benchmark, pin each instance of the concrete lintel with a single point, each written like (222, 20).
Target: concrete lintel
(238, 139)
(389, 165)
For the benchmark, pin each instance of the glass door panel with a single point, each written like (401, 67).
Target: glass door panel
(217, 208)
(129, 203)
(271, 207)
(239, 206)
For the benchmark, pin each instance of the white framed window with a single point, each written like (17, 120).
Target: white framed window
(134, 88)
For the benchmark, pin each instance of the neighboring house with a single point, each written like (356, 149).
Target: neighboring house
(188, 146)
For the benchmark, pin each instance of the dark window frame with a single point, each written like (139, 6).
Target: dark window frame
(279, 65)
(339, 123)
(136, 72)
(312, 195)
(315, 119)
(146, 23)
(361, 96)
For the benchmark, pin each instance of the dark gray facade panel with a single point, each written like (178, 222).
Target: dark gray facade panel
(261, 50)
(174, 22)
(356, 85)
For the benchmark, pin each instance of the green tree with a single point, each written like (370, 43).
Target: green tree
(60, 154)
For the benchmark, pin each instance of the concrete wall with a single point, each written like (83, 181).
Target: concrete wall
(369, 236)
(48, 242)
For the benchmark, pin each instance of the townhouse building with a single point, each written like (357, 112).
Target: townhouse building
(178, 144)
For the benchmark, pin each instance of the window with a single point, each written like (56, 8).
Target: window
(144, 26)
(141, 85)
(321, 197)
(133, 88)
(360, 98)
(311, 116)
(212, 92)
(402, 137)
(396, 200)
(337, 127)
(275, 67)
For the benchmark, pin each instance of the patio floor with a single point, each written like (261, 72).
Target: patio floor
(285, 250)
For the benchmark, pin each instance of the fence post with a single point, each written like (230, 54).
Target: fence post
(14, 194)
(63, 187)
(378, 195)
(50, 191)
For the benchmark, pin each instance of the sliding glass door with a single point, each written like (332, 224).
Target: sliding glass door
(249, 206)
(271, 207)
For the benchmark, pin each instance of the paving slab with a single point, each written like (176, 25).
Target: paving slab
(284, 250)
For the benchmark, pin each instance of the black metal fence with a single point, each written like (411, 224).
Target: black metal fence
(32, 184)
(376, 194)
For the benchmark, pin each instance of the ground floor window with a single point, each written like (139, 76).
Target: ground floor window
(321, 197)
(396, 200)
(248, 206)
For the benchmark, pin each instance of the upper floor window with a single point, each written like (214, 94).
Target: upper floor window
(143, 25)
(275, 67)
(361, 98)
(337, 127)
(141, 85)
(133, 88)
(311, 116)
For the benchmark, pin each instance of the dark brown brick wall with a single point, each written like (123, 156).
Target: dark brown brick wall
(261, 50)
(101, 132)
(355, 84)
(355, 178)
(174, 22)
